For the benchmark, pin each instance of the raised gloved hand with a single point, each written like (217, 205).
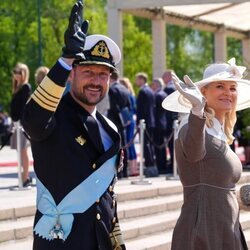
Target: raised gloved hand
(192, 93)
(75, 35)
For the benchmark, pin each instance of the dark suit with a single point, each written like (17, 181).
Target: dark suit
(145, 110)
(61, 162)
(119, 97)
(160, 131)
(171, 116)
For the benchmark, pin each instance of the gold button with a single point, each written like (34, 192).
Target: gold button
(113, 202)
(98, 216)
(98, 201)
(110, 188)
(114, 220)
(94, 166)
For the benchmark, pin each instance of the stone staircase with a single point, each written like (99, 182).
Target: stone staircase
(147, 215)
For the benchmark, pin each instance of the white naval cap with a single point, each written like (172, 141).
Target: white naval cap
(100, 49)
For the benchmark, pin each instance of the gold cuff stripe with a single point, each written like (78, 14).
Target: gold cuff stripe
(47, 95)
(45, 100)
(116, 241)
(116, 236)
(50, 87)
(42, 104)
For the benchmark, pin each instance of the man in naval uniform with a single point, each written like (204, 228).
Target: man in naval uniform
(76, 150)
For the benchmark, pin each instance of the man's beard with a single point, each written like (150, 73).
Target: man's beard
(84, 99)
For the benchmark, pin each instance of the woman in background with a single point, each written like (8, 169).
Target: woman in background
(132, 157)
(40, 73)
(21, 91)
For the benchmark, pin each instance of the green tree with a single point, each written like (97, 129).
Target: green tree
(234, 49)
(137, 49)
(19, 34)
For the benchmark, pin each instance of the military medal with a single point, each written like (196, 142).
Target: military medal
(57, 232)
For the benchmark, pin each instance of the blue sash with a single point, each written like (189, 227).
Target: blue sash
(60, 217)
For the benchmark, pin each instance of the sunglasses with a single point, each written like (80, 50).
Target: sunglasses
(17, 72)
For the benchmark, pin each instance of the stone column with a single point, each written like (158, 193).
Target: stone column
(115, 31)
(246, 55)
(220, 46)
(159, 46)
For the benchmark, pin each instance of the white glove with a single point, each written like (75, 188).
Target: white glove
(192, 93)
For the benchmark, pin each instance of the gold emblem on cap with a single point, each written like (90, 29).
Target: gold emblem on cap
(80, 140)
(101, 50)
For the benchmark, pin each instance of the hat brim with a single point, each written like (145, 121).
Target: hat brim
(176, 102)
(97, 63)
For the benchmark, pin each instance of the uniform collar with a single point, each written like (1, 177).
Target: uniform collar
(94, 113)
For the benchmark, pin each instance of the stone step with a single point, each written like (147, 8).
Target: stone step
(160, 241)
(16, 229)
(155, 232)
(155, 241)
(15, 207)
(126, 191)
(245, 220)
(24, 244)
(146, 225)
(131, 228)
(147, 215)
(137, 208)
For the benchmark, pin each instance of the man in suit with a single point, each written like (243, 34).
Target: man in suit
(75, 148)
(171, 116)
(119, 99)
(160, 125)
(145, 110)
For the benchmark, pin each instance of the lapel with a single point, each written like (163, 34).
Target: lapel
(90, 134)
(91, 130)
(112, 133)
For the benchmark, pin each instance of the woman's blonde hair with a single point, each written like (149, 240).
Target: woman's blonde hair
(40, 73)
(126, 82)
(25, 74)
(230, 120)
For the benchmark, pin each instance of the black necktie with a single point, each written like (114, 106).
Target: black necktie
(94, 132)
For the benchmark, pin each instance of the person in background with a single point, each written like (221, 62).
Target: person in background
(119, 99)
(242, 134)
(145, 110)
(160, 125)
(5, 123)
(171, 116)
(208, 168)
(21, 90)
(76, 150)
(130, 129)
(40, 73)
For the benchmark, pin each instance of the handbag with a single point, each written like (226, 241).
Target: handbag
(245, 194)
(125, 116)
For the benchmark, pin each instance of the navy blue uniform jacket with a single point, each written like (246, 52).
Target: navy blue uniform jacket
(66, 152)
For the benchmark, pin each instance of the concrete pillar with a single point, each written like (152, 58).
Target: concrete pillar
(246, 55)
(159, 46)
(220, 46)
(115, 29)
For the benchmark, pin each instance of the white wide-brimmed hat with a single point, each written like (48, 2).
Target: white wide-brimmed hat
(213, 73)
